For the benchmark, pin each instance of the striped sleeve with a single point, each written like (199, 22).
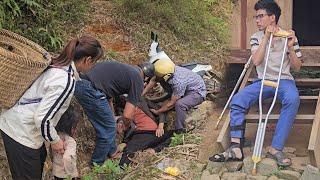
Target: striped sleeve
(58, 89)
(254, 43)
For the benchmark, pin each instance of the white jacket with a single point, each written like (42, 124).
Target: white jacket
(33, 118)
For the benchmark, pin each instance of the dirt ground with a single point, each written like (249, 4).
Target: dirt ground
(116, 40)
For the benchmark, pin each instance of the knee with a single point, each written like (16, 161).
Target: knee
(180, 105)
(293, 100)
(236, 101)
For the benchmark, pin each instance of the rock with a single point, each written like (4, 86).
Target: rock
(299, 163)
(289, 150)
(301, 153)
(290, 155)
(233, 176)
(266, 166)
(310, 173)
(251, 177)
(247, 152)
(214, 167)
(273, 178)
(197, 117)
(201, 166)
(207, 176)
(234, 166)
(289, 175)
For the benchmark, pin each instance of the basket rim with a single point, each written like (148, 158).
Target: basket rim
(21, 59)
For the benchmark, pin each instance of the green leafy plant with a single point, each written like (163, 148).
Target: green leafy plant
(46, 22)
(108, 170)
(180, 139)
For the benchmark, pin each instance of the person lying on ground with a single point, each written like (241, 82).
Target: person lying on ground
(267, 16)
(146, 132)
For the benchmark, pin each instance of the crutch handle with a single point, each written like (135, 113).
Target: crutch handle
(282, 33)
(270, 83)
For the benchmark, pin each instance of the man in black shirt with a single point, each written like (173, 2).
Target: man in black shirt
(100, 84)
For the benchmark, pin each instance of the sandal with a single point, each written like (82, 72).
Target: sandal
(231, 155)
(279, 157)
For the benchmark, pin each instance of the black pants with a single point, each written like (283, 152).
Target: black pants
(25, 163)
(144, 140)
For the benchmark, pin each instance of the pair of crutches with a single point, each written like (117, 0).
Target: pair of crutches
(256, 157)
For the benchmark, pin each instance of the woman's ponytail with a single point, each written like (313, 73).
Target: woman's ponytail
(78, 48)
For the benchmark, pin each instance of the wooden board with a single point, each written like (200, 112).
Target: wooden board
(235, 27)
(314, 141)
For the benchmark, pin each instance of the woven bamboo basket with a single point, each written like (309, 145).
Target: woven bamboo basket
(21, 62)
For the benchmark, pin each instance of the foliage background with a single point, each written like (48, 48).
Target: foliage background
(47, 22)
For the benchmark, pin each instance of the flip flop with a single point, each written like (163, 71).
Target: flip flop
(279, 157)
(231, 155)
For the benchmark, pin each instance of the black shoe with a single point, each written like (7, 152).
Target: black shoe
(180, 131)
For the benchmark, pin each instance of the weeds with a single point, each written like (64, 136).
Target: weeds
(180, 139)
(46, 22)
(109, 170)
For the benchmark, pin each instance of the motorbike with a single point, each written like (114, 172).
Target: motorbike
(212, 80)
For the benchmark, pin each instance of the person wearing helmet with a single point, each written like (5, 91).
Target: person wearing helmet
(188, 88)
(148, 70)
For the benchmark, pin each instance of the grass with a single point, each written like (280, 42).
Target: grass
(180, 139)
(47, 22)
(188, 30)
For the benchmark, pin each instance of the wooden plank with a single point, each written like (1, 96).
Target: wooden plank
(314, 141)
(301, 81)
(274, 121)
(276, 116)
(285, 20)
(303, 99)
(244, 14)
(273, 118)
(224, 136)
(235, 25)
(309, 56)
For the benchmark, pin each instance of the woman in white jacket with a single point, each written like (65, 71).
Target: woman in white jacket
(31, 121)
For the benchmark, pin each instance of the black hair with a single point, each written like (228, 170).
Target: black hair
(270, 6)
(78, 48)
(68, 121)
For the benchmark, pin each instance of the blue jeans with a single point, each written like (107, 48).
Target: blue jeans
(100, 115)
(287, 94)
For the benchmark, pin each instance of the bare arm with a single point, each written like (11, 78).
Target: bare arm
(294, 59)
(128, 111)
(150, 85)
(167, 105)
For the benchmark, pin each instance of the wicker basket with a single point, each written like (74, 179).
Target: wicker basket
(21, 62)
